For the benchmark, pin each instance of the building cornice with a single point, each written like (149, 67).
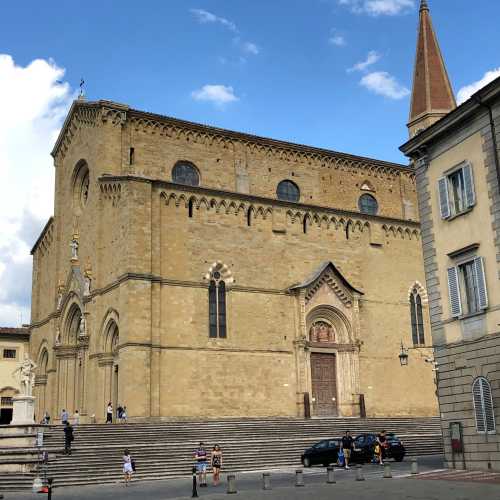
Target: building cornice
(42, 234)
(161, 184)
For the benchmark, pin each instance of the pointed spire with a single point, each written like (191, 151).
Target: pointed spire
(432, 96)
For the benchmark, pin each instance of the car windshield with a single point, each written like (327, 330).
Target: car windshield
(321, 444)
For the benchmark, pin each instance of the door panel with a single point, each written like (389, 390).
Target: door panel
(324, 383)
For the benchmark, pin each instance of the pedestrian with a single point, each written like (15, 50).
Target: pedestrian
(347, 444)
(216, 464)
(128, 470)
(76, 418)
(124, 415)
(64, 417)
(119, 413)
(382, 445)
(109, 413)
(46, 418)
(200, 455)
(68, 438)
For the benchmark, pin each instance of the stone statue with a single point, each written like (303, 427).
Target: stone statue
(26, 376)
(58, 337)
(82, 331)
(60, 294)
(74, 248)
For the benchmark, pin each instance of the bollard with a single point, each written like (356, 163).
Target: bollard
(299, 478)
(387, 471)
(231, 484)
(266, 481)
(330, 475)
(414, 466)
(359, 473)
(50, 480)
(194, 494)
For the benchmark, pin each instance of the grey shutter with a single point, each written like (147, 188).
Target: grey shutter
(444, 199)
(454, 291)
(477, 394)
(470, 194)
(489, 413)
(481, 283)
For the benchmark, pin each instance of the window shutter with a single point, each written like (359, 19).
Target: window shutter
(413, 312)
(477, 395)
(481, 283)
(444, 201)
(489, 414)
(470, 194)
(454, 291)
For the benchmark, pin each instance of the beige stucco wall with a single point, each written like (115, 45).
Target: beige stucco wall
(7, 366)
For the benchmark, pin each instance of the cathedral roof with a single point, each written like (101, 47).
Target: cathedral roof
(201, 128)
(7, 331)
(432, 92)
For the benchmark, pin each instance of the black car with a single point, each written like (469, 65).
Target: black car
(326, 452)
(364, 448)
(323, 453)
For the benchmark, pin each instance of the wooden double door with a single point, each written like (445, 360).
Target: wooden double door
(324, 384)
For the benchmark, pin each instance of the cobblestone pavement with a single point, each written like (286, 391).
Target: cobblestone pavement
(462, 476)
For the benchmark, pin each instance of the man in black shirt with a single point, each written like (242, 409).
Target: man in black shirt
(68, 438)
(347, 444)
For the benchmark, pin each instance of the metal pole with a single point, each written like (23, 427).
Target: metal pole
(266, 481)
(50, 480)
(414, 466)
(195, 489)
(231, 484)
(387, 471)
(359, 473)
(299, 478)
(330, 475)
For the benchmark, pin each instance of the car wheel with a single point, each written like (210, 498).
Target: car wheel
(307, 462)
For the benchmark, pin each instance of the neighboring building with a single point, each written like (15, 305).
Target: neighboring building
(14, 343)
(458, 173)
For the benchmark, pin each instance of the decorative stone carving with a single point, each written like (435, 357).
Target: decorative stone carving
(321, 331)
(87, 278)
(26, 375)
(58, 337)
(74, 248)
(82, 330)
(60, 294)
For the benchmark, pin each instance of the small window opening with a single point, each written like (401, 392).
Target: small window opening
(249, 217)
(131, 156)
(190, 209)
(304, 225)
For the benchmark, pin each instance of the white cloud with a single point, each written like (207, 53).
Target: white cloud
(218, 94)
(371, 59)
(205, 17)
(379, 7)
(337, 40)
(250, 48)
(466, 92)
(33, 105)
(382, 83)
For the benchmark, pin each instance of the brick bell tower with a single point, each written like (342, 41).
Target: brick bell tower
(432, 95)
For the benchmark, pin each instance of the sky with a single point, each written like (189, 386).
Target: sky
(329, 73)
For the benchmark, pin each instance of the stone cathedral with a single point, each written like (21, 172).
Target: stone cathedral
(190, 271)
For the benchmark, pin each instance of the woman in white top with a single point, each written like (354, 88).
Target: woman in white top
(109, 413)
(127, 467)
(76, 419)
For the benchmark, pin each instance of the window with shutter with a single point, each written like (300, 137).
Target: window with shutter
(470, 195)
(480, 283)
(417, 318)
(444, 201)
(454, 291)
(217, 304)
(483, 406)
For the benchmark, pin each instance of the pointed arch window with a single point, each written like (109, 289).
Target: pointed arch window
(217, 306)
(483, 406)
(417, 318)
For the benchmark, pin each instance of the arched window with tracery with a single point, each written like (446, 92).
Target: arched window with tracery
(417, 318)
(219, 276)
(483, 406)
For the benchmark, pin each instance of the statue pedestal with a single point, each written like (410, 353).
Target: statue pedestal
(23, 412)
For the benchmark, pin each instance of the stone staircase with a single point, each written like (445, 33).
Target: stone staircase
(165, 450)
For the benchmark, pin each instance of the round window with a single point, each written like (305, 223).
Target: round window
(288, 191)
(185, 173)
(368, 204)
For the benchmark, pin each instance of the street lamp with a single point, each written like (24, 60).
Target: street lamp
(403, 355)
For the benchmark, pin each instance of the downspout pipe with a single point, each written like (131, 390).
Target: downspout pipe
(478, 100)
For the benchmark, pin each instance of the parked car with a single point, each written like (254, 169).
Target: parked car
(322, 453)
(326, 452)
(364, 446)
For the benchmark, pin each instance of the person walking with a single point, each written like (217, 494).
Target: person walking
(200, 455)
(124, 415)
(119, 413)
(127, 467)
(46, 418)
(109, 413)
(68, 438)
(64, 417)
(382, 445)
(76, 418)
(347, 445)
(216, 464)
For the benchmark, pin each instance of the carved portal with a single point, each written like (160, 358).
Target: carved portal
(322, 332)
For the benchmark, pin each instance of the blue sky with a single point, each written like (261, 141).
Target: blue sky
(328, 73)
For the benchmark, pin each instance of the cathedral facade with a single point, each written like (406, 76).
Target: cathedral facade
(190, 271)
